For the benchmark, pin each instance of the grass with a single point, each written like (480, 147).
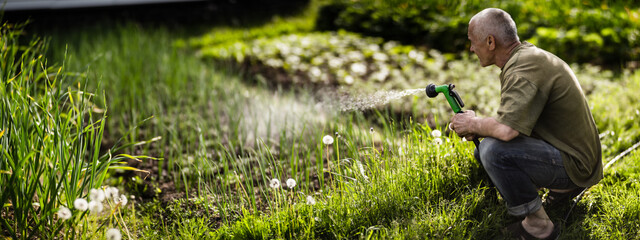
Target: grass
(51, 133)
(223, 138)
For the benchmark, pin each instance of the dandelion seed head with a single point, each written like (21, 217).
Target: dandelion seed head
(371, 130)
(311, 200)
(64, 213)
(437, 141)
(113, 234)
(275, 183)
(96, 195)
(123, 200)
(327, 140)
(291, 183)
(81, 204)
(436, 133)
(95, 207)
(111, 193)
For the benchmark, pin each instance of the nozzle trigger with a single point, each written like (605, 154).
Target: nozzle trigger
(455, 96)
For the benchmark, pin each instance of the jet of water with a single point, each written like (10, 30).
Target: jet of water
(363, 102)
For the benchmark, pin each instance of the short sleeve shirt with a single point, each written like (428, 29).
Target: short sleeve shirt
(542, 98)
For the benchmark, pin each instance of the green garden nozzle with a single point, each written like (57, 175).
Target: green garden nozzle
(452, 96)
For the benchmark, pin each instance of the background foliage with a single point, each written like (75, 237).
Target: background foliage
(577, 31)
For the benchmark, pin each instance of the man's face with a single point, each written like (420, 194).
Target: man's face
(480, 47)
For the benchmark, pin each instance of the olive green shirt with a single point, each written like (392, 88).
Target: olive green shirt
(541, 98)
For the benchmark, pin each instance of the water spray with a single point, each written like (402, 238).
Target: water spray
(452, 97)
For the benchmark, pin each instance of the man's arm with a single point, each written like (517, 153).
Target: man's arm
(468, 125)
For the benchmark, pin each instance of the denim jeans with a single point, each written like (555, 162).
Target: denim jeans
(519, 167)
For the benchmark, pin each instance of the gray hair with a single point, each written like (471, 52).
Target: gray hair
(496, 22)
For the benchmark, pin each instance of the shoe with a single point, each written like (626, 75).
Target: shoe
(555, 199)
(517, 231)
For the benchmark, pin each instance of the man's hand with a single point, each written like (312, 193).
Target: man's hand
(469, 126)
(463, 124)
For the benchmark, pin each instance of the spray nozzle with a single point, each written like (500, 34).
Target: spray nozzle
(451, 95)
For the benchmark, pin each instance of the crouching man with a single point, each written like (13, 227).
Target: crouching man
(543, 136)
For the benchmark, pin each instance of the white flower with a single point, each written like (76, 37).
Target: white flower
(335, 62)
(96, 195)
(381, 57)
(275, 63)
(284, 48)
(64, 213)
(437, 141)
(374, 47)
(358, 68)
(327, 140)
(413, 54)
(275, 183)
(111, 193)
(315, 72)
(113, 234)
(311, 200)
(80, 204)
(292, 59)
(123, 200)
(291, 183)
(379, 76)
(436, 133)
(348, 79)
(464, 139)
(355, 56)
(95, 207)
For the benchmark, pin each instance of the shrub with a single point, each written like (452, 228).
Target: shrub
(578, 31)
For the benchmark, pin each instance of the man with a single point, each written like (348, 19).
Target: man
(544, 135)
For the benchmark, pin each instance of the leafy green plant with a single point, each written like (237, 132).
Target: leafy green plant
(607, 30)
(50, 140)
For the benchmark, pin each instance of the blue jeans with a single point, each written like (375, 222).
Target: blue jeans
(519, 167)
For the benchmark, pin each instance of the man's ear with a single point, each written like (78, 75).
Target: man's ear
(491, 42)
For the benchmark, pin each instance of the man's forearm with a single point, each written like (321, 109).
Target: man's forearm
(490, 127)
